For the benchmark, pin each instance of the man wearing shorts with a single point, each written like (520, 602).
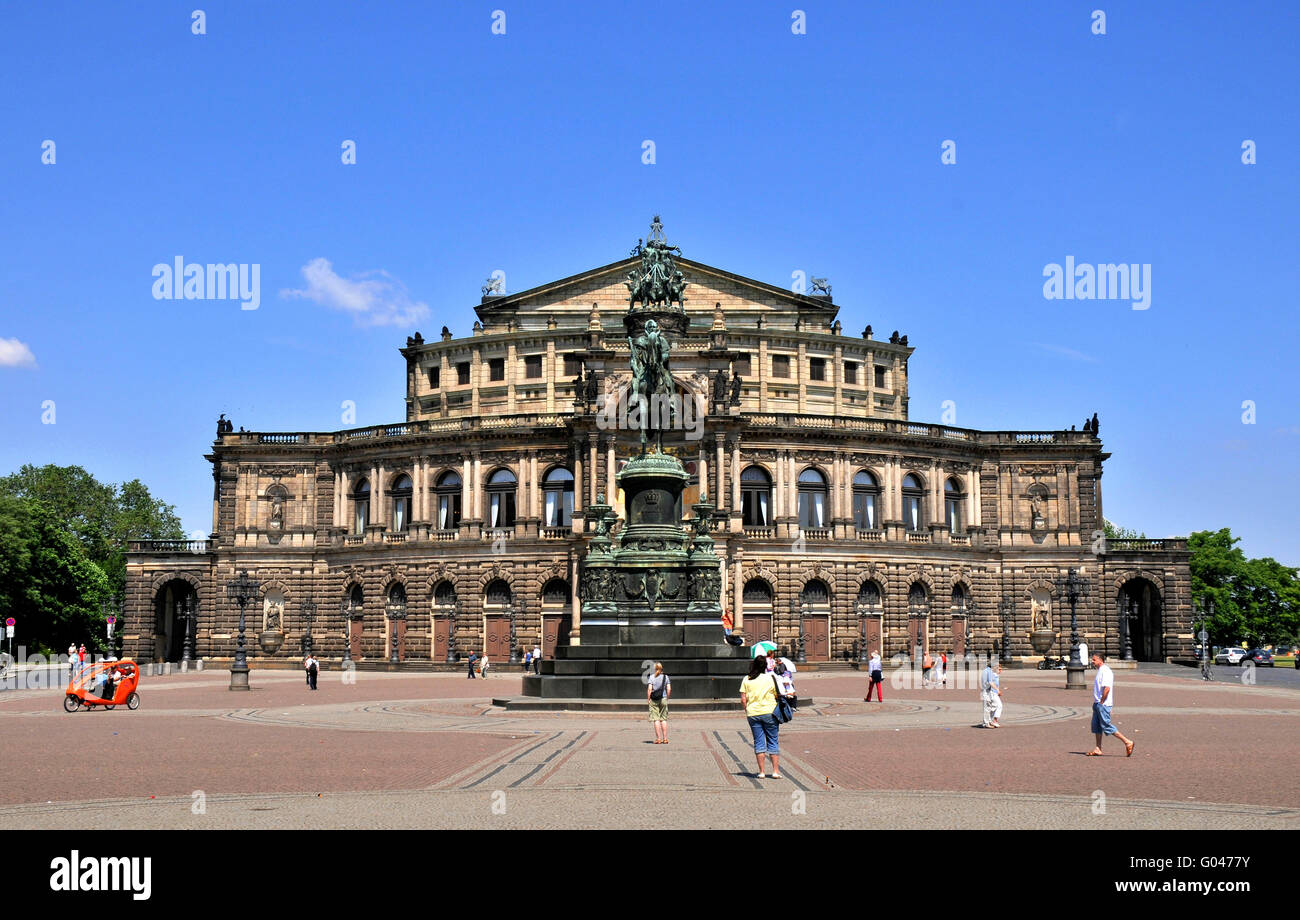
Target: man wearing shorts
(1103, 699)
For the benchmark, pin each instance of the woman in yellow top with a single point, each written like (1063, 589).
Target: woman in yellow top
(758, 696)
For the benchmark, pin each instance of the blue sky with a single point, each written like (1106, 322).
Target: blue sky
(775, 152)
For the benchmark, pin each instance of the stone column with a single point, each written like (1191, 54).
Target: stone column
(703, 473)
(735, 474)
(476, 488)
(591, 470)
(738, 593)
(535, 497)
(575, 602)
(579, 484)
(466, 495)
(718, 472)
(611, 473)
(778, 494)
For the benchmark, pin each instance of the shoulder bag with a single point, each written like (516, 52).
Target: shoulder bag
(784, 712)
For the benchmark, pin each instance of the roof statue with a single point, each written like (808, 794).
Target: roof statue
(658, 281)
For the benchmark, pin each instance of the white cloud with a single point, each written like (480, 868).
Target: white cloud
(380, 301)
(14, 353)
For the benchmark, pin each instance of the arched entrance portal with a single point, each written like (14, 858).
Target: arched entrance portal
(175, 606)
(557, 616)
(1146, 629)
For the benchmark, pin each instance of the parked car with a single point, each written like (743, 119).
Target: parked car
(1231, 655)
(1262, 658)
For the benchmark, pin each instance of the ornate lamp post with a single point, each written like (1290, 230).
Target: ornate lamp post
(514, 644)
(241, 590)
(396, 613)
(451, 631)
(1006, 613)
(1201, 614)
(797, 610)
(864, 655)
(1127, 613)
(346, 606)
(187, 642)
(1074, 588)
(308, 614)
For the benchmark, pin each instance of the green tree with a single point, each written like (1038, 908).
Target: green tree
(47, 581)
(102, 518)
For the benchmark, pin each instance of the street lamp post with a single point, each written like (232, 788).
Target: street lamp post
(396, 613)
(308, 614)
(241, 590)
(1007, 613)
(346, 607)
(514, 646)
(797, 609)
(1127, 613)
(451, 631)
(187, 642)
(1074, 588)
(864, 655)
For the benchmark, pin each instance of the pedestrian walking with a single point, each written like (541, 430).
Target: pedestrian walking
(943, 668)
(877, 683)
(758, 696)
(81, 659)
(483, 665)
(72, 660)
(1103, 702)
(528, 660)
(473, 662)
(927, 665)
(991, 694)
(657, 691)
(537, 659)
(312, 666)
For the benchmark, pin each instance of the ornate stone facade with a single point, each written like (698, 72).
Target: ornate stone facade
(834, 510)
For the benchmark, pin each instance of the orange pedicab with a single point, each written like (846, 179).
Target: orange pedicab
(107, 684)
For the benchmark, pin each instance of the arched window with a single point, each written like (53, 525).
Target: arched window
(356, 600)
(361, 504)
(755, 497)
(448, 488)
(960, 599)
(555, 593)
(916, 596)
(557, 489)
(501, 499)
(812, 499)
(869, 595)
(497, 594)
(816, 594)
(397, 599)
(913, 502)
(866, 501)
(401, 495)
(444, 596)
(757, 591)
(953, 500)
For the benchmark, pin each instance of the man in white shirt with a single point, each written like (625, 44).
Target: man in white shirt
(1103, 699)
(537, 659)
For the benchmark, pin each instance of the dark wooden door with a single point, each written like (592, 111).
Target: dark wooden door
(354, 632)
(440, 632)
(555, 632)
(498, 639)
(758, 627)
(817, 637)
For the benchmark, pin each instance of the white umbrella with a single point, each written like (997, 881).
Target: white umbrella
(762, 648)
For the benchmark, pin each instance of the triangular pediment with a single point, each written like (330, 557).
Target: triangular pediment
(570, 299)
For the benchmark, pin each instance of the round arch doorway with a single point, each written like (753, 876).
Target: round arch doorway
(170, 605)
(1146, 629)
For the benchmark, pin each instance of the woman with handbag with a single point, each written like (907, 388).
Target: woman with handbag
(759, 695)
(658, 689)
